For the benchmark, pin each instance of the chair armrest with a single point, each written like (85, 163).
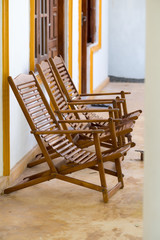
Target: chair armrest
(94, 101)
(130, 144)
(68, 131)
(87, 110)
(88, 120)
(90, 101)
(102, 94)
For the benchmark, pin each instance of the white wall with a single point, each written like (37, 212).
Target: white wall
(152, 126)
(1, 133)
(66, 32)
(75, 42)
(100, 58)
(21, 139)
(127, 38)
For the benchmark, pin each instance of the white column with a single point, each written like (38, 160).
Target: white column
(152, 124)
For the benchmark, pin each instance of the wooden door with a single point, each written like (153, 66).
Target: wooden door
(49, 29)
(53, 28)
(88, 36)
(91, 21)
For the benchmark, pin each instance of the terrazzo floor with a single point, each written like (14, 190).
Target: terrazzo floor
(57, 210)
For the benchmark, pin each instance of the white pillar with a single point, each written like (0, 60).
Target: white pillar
(152, 124)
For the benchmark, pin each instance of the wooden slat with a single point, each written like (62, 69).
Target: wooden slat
(30, 95)
(46, 117)
(32, 100)
(68, 151)
(81, 158)
(61, 68)
(91, 157)
(37, 109)
(73, 153)
(39, 114)
(57, 140)
(63, 73)
(49, 127)
(50, 137)
(38, 103)
(22, 86)
(64, 148)
(55, 93)
(61, 144)
(28, 90)
(77, 155)
(44, 123)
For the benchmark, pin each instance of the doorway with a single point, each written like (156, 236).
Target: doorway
(88, 20)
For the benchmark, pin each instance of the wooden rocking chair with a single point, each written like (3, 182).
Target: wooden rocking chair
(49, 136)
(73, 118)
(75, 99)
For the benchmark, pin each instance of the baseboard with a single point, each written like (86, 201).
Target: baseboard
(18, 169)
(129, 80)
(102, 85)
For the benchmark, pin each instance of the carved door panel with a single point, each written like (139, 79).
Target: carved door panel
(49, 29)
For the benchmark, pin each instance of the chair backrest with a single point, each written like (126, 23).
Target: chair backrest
(63, 75)
(41, 118)
(66, 82)
(56, 95)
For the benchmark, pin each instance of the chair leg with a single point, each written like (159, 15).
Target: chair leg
(101, 168)
(103, 182)
(41, 159)
(38, 160)
(27, 182)
(119, 171)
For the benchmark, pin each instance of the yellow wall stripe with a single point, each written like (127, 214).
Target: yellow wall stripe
(96, 47)
(6, 110)
(70, 9)
(32, 34)
(80, 45)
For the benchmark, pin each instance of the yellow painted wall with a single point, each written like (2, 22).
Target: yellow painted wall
(1, 148)
(152, 124)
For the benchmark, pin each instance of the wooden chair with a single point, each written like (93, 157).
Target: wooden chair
(73, 118)
(48, 132)
(75, 99)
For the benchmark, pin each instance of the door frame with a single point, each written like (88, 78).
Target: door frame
(84, 23)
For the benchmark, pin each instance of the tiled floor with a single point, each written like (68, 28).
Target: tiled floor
(58, 210)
